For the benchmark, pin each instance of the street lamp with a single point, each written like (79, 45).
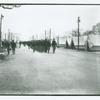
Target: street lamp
(1, 17)
(78, 31)
(45, 34)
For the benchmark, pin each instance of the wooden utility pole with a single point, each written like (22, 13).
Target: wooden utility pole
(45, 34)
(1, 30)
(78, 31)
(37, 36)
(58, 41)
(33, 37)
(9, 35)
(5, 36)
(50, 35)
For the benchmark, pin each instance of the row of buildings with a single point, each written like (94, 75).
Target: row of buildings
(92, 40)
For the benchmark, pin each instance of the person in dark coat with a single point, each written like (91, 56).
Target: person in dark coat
(13, 46)
(54, 44)
(7, 44)
(20, 44)
(48, 46)
(45, 43)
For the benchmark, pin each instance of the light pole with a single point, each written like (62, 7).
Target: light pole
(50, 35)
(78, 31)
(58, 41)
(45, 34)
(1, 30)
(1, 17)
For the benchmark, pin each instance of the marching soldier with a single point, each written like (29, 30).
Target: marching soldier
(54, 44)
(13, 46)
(7, 44)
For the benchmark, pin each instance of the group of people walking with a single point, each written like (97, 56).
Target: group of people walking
(40, 45)
(35, 45)
(9, 46)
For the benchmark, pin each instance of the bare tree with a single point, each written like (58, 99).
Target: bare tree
(96, 29)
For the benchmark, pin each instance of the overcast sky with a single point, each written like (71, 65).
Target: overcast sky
(31, 20)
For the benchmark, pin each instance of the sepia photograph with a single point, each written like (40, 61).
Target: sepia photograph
(49, 49)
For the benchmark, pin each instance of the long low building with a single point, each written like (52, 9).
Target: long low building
(92, 40)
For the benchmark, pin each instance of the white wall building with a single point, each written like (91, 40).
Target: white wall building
(93, 40)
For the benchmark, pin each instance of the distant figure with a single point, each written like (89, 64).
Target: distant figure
(19, 44)
(87, 46)
(4, 44)
(7, 44)
(46, 43)
(54, 44)
(13, 46)
(48, 46)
